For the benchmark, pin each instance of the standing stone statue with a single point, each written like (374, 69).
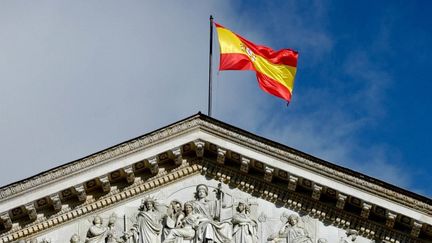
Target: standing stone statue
(149, 223)
(209, 228)
(97, 232)
(244, 227)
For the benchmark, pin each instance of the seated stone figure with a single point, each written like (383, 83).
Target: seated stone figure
(209, 229)
(291, 232)
(186, 230)
(173, 218)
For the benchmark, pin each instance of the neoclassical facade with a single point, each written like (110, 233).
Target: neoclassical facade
(201, 180)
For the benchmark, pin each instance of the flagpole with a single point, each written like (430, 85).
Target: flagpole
(209, 113)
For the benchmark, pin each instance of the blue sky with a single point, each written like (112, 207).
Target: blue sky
(81, 76)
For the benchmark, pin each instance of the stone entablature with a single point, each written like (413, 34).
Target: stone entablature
(286, 176)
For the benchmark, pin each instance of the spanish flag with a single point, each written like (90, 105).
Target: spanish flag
(275, 70)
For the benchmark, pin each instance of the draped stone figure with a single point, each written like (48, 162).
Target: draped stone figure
(244, 227)
(173, 218)
(291, 232)
(113, 235)
(295, 233)
(186, 230)
(149, 226)
(97, 232)
(208, 211)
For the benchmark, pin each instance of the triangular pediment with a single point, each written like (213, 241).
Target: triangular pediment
(274, 180)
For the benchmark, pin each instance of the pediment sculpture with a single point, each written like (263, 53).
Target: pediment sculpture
(203, 218)
(197, 220)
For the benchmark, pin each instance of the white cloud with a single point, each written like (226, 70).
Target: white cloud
(80, 76)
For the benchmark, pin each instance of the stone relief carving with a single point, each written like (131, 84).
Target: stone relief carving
(148, 226)
(114, 234)
(75, 239)
(351, 236)
(245, 229)
(208, 215)
(294, 230)
(97, 233)
(198, 220)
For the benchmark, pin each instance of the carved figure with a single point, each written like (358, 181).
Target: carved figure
(113, 235)
(208, 211)
(244, 228)
(351, 236)
(186, 231)
(292, 232)
(149, 223)
(174, 217)
(97, 232)
(295, 233)
(75, 238)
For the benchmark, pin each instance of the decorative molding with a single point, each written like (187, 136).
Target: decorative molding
(221, 155)
(199, 148)
(252, 184)
(268, 173)
(341, 199)
(365, 210)
(55, 201)
(130, 176)
(415, 231)
(292, 182)
(316, 191)
(390, 219)
(91, 207)
(214, 127)
(251, 142)
(154, 166)
(177, 153)
(302, 204)
(105, 183)
(80, 192)
(7, 222)
(245, 164)
(31, 211)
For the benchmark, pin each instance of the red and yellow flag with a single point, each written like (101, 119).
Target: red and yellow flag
(275, 70)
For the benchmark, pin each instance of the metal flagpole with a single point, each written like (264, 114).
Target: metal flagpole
(209, 113)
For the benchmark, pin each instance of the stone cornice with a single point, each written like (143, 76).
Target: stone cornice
(226, 131)
(101, 157)
(94, 206)
(300, 160)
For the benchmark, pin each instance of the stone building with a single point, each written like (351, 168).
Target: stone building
(201, 180)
